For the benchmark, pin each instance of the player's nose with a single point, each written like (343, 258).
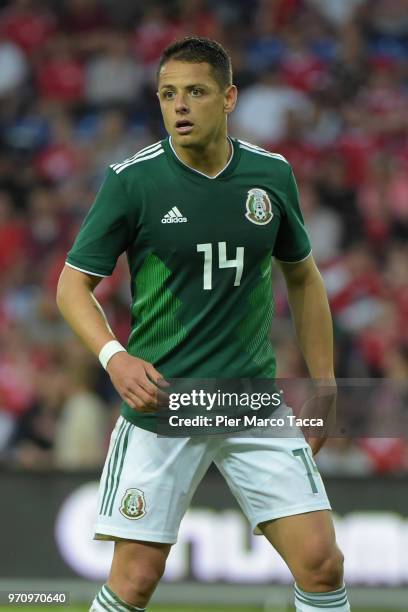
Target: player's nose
(181, 105)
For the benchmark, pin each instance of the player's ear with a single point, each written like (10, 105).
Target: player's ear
(230, 99)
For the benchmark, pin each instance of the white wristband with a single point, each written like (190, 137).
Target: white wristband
(109, 350)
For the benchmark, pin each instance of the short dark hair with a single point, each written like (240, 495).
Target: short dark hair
(196, 50)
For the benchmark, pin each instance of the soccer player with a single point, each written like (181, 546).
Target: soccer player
(201, 216)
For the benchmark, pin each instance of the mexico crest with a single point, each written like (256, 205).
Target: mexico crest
(133, 504)
(259, 207)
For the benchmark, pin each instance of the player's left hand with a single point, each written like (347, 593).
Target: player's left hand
(316, 444)
(321, 406)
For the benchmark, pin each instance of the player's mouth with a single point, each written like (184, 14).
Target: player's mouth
(184, 126)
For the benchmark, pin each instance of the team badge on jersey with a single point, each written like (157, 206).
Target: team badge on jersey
(133, 504)
(259, 207)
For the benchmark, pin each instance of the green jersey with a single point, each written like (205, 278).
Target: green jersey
(200, 252)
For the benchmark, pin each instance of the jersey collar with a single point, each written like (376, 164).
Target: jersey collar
(226, 171)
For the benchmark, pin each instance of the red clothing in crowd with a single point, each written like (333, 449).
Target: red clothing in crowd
(57, 162)
(303, 71)
(13, 242)
(86, 21)
(30, 30)
(61, 80)
(387, 454)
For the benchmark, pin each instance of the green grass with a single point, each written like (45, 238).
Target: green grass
(209, 608)
(151, 609)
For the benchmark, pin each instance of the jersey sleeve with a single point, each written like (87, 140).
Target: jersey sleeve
(292, 242)
(106, 230)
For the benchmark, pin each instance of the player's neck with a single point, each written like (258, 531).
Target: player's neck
(209, 160)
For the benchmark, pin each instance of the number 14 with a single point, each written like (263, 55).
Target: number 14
(223, 262)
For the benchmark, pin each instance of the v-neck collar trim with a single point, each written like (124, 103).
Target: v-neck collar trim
(233, 153)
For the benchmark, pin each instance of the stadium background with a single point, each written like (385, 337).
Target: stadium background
(323, 82)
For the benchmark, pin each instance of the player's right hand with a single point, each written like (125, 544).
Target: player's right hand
(138, 383)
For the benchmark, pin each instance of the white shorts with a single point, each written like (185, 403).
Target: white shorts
(148, 482)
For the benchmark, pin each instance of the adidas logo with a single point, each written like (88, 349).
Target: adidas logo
(174, 216)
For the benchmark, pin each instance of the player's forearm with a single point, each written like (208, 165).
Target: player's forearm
(313, 323)
(82, 312)
(135, 380)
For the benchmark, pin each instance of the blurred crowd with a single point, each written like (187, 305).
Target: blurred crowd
(323, 82)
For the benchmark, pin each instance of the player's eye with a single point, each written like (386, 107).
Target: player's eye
(168, 95)
(196, 92)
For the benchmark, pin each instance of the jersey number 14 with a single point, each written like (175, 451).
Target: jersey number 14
(223, 262)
